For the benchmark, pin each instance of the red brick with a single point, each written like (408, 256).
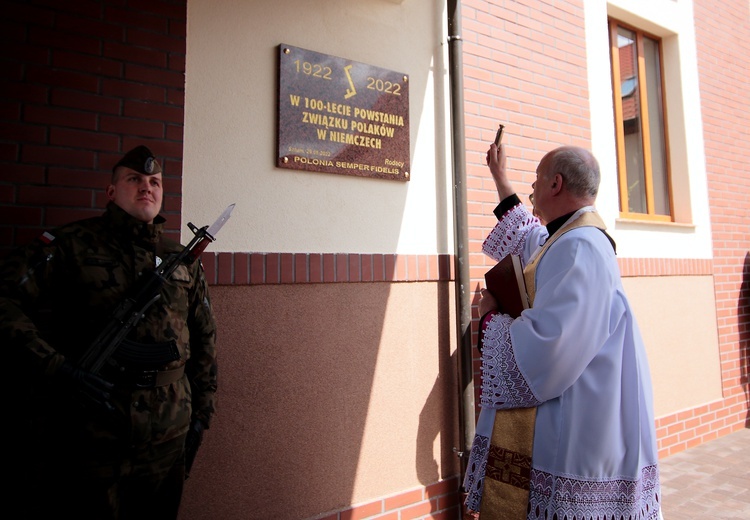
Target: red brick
(404, 499)
(27, 133)
(441, 488)
(128, 53)
(152, 111)
(241, 269)
(53, 196)
(208, 260)
(140, 18)
(131, 90)
(419, 510)
(342, 267)
(22, 91)
(273, 274)
(286, 267)
(329, 267)
(133, 127)
(102, 30)
(362, 511)
(156, 40)
(367, 267)
(316, 267)
(49, 76)
(300, 268)
(174, 132)
(25, 13)
(378, 268)
(355, 269)
(164, 77)
(16, 215)
(257, 268)
(85, 101)
(86, 63)
(68, 137)
(59, 216)
(390, 267)
(46, 37)
(60, 117)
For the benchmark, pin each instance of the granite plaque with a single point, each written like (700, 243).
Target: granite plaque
(341, 116)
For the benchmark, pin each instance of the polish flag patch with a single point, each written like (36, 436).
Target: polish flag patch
(47, 237)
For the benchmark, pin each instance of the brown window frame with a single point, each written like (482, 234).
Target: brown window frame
(644, 126)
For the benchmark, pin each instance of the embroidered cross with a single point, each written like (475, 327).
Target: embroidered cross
(508, 467)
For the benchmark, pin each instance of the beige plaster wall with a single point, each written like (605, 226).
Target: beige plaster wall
(330, 395)
(677, 317)
(231, 120)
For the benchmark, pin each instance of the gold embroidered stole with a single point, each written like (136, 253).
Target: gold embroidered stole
(507, 476)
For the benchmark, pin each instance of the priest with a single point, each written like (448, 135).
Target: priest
(566, 428)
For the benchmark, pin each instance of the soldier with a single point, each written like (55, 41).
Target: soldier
(118, 444)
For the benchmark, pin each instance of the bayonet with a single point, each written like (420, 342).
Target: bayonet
(216, 226)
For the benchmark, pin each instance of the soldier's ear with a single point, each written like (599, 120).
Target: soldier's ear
(111, 192)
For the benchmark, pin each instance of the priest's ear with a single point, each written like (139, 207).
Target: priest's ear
(557, 183)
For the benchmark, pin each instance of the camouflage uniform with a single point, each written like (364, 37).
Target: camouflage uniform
(55, 295)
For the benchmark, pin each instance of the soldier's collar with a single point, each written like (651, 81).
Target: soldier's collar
(133, 227)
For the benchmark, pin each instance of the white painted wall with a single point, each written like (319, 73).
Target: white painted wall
(230, 128)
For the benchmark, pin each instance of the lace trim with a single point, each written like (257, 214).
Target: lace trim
(576, 499)
(509, 234)
(474, 479)
(572, 499)
(503, 385)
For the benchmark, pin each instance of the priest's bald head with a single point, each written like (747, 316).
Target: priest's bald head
(567, 180)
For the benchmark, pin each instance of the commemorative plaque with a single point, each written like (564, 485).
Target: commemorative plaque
(342, 116)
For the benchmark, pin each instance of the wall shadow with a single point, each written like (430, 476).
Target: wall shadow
(440, 414)
(438, 417)
(324, 391)
(296, 373)
(743, 325)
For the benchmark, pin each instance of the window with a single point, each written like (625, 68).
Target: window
(642, 153)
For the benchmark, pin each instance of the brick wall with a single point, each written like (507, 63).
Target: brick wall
(435, 502)
(723, 47)
(524, 66)
(83, 82)
(723, 64)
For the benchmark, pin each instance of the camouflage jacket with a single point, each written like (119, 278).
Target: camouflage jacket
(57, 293)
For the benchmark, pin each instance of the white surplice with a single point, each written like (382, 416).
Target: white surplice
(577, 355)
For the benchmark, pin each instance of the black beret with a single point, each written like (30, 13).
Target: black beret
(141, 160)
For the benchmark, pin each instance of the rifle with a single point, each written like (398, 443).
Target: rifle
(145, 293)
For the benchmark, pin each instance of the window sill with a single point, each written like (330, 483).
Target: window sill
(654, 223)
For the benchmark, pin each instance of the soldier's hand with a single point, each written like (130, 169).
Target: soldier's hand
(95, 390)
(192, 443)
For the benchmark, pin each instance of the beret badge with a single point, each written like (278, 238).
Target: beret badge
(148, 167)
